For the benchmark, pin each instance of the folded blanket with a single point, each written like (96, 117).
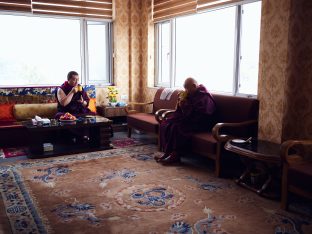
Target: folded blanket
(166, 94)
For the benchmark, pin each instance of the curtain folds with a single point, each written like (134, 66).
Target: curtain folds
(102, 9)
(166, 9)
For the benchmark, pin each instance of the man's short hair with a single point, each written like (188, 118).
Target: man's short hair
(70, 74)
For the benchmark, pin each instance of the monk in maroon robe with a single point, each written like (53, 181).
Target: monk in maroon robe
(195, 112)
(70, 99)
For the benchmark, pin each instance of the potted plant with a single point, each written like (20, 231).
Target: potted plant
(112, 95)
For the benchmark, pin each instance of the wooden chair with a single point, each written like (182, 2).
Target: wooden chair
(297, 171)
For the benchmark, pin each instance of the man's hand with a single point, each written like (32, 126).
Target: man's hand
(81, 99)
(181, 103)
(182, 98)
(83, 102)
(74, 89)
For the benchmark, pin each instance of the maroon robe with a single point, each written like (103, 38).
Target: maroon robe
(195, 114)
(75, 107)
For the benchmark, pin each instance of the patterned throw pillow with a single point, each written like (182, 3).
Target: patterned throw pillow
(90, 90)
(6, 112)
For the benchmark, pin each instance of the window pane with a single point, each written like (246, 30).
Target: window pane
(38, 51)
(250, 42)
(97, 52)
(205, 49)
(164, 53)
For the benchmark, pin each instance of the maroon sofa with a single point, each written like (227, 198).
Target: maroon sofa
(235, 117)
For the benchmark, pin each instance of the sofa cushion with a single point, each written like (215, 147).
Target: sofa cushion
(233, 109)
(28, 111)
(92, 105)
(165, 104)
(143, 121)
(6, 112)
(300, 175)
(204, 143)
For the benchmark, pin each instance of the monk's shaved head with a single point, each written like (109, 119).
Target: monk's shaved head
(190, 85)
(190, 80)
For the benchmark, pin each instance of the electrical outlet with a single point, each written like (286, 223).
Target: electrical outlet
(124, 97)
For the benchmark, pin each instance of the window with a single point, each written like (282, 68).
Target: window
(164, 58)
(219, 48)
(98, 62)
(206, 51)
(39, 51)
(249, 48)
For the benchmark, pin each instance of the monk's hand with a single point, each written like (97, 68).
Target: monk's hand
(182, 97)
(80, 100)
(181, 102)
(74, 90)
(83, 102)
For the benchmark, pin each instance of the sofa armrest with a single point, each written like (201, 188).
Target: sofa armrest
(159, 114)
(291, 158)
(225, 137)
(129, 112)
(167, 113)
(140, 103)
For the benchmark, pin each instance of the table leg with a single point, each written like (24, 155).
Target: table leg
(36, 144)
(265, 185)
(99, 137)
(262, 189)
(95, 136)
(243, 176)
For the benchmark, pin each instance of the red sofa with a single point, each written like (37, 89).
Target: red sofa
(12, 132)
(235, 117)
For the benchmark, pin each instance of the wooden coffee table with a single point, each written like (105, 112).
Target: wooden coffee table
(263, 153)
(61, 136)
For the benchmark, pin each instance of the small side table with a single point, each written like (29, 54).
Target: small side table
(117, 114)
(111, 112)
(262, 152)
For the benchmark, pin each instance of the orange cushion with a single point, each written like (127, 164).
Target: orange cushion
(6, 111)
(92, 104)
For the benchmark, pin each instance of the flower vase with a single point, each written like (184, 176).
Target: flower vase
(113, 104)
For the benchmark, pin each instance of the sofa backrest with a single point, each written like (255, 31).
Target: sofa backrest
(29, 111)
(165, 103)
(29, 95)
(233, 109)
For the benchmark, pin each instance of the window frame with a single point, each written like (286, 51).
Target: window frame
(158, 45)
(236, 59)
(83, 73)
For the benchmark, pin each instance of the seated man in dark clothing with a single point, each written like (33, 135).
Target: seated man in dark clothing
(72, 98)
(194, 113)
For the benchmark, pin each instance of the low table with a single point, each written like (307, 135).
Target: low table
(259, 152)
(99, 129)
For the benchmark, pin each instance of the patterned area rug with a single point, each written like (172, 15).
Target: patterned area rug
(125, 142)
(22, 151)
(126, 191)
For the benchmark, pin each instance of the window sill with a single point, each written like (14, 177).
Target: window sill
(155, 87)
